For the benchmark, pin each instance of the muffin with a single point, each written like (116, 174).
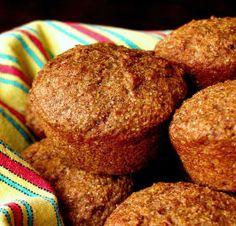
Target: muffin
(203, 132)
(32, 122)
(84, 198)
(175, 204)
(107, 102)
(205, 48)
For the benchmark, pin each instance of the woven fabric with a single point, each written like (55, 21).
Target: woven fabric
(25, 198)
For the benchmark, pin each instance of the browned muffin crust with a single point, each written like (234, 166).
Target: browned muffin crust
(180, 204)
(106, 94)
(206, 48)
(33, 122)
(203, 132)
(84, 198)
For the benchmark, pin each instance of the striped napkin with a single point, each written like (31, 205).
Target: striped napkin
(25, 198)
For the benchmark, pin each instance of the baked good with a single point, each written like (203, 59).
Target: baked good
(205, 48)
(84, 198)
(33, 122)
(175, 204)
(107, 102)
(203, 132)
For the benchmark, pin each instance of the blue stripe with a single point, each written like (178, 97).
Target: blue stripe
(14, 83)
(83, 42)
(54, 204)
(39, 36)
(9, 149)
(31, 29)
(16, 126)
(158, 37)
(29, 212)
(26, 191)
(6, 214)
(26, 48)
(8, 57)
(121, 37)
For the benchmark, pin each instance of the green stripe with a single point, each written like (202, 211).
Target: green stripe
(14, 83)
(11, 150)
(10, 58)
(6, 214)
(26, 48)
(16, 126)
(29, 212)
(118, 35)
(26, 191)
(64, 31)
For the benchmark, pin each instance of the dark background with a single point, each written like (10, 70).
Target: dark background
(144, 15)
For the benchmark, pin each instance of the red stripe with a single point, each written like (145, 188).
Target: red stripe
(87, 31)
(161, 33)
(36, 42)
(157, 32)
(24, 172)
(15, 208)
(14, 71)
(14, 112)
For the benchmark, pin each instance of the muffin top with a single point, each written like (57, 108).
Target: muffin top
(205, 48)
(175, 204)
(208, 119)
(106, 91)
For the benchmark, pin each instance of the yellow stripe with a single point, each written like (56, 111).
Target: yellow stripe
(3, 220)
(144, 41)
(16, 158)
(11, 136)
(43, 211)
(57, 42)
(75, 32)
(16, 52)
(19, 52)
(8, 194)
(14, 97)
(24, 128)
(26, 184)
(10, 63)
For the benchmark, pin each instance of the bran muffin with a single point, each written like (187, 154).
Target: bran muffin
(84, 198)
(33, 122)
(205, 48)
(103, 101)
(175, 204)
(203, 132)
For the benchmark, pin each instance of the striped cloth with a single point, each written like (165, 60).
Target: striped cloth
(25, 198)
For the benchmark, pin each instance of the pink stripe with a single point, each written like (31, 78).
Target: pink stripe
(14, 71)
(14, 112)
(24, 172)
(157, 32)
(37, 42)
(17, 213)
(87, 31)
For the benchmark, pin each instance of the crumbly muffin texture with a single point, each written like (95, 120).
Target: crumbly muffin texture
(203, 132)
(84, 198)
(105, 91)
(205, 48)
(175, 204)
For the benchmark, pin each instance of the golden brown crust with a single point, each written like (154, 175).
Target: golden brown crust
(114, 158)
(84, 198)
(175, 204)
(33, 122)
(104, 90)
(107, 95)
(203, 132)
(206, 48)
